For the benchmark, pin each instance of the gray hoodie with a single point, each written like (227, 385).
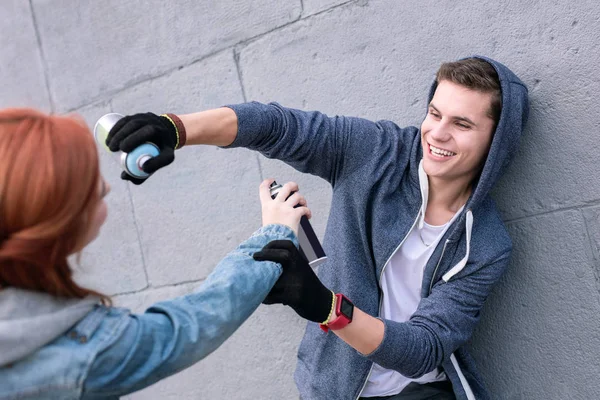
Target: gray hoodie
(379, 193)
(30, 320)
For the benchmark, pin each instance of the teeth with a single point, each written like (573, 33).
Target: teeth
(441, 152)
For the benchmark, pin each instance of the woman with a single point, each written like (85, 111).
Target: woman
(61, 340)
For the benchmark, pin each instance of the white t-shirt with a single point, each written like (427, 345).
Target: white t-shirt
(401, 284)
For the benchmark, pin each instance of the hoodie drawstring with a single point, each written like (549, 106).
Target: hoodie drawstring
(461, 264)
(424, 185)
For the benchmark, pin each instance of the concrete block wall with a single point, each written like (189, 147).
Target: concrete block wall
(540, 332)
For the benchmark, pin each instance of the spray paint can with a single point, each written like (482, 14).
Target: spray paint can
(131, 162)
(310, 246)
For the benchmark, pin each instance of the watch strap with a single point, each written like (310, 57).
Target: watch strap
(341, 320)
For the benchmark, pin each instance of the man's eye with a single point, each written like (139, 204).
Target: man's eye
(463, 126)
(434, 114)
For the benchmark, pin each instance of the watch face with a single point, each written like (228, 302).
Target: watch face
(347, 308)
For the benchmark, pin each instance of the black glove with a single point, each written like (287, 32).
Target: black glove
(134, 130)
(298, 286)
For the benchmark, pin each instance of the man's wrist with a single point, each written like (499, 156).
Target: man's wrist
(344, 311)
(180, 132)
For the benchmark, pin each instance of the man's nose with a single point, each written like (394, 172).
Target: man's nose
(440, 132)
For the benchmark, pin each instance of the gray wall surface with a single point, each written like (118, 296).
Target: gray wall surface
(540, 332)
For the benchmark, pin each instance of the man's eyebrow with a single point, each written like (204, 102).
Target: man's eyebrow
(465, 119)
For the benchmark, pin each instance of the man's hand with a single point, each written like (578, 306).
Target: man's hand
(166, 132)
(298, 286)
(283, 209)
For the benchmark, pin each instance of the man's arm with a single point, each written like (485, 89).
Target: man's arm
(442, 323)
(311, 142)
(364, 334)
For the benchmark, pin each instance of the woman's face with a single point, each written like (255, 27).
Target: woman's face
(98, 216)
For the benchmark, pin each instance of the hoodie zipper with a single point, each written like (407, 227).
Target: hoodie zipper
(463, 381)
(381, 290)
(386, 264)
(438, 265)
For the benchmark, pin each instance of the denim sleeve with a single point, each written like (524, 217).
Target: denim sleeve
(172, 335)
(311, 142)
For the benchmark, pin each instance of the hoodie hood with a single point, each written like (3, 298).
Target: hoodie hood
(505, 142)
(30, 320)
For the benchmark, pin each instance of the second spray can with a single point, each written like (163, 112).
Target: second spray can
(310, 246)
(131, 162)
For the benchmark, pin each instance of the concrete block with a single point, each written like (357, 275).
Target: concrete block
(592, 222)
(113, 263)
(315, 6)
(540, 323)
(191, 214)
(138, 302)
(552, 52)
(92, 113)
(211, 82)
(257, 362)
(350, 70)
(21, 67)
(194, 212)
(113, 44)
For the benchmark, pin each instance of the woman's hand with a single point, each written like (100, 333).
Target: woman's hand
(282, 210)
(298, 286)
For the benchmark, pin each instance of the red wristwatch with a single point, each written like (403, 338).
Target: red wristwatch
(343, 311)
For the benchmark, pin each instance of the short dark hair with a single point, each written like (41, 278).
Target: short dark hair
(476, 74)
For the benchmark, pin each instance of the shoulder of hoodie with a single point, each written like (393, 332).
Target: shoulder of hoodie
(394, 130)
(490, 240)
(402, 140)
(385, 135)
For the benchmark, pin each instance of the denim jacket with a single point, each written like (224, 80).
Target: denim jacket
(79, 349)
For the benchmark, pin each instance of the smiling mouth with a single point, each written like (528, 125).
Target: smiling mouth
(436, 151)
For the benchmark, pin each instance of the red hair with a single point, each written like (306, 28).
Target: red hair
(49, 175)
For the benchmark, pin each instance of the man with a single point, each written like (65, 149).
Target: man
(415, 243)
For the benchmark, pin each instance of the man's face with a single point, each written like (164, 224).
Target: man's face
(457, 133)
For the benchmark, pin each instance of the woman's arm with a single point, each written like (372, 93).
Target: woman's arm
(173, 335)
(170, 336)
